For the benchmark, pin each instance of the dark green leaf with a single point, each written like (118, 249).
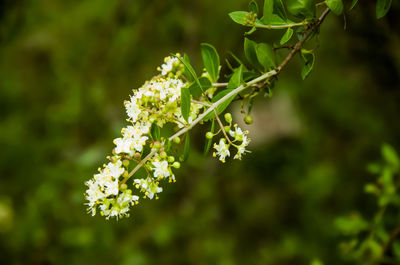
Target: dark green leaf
(186, 148)
(167, 145)
(308, 58)
(209, 141)
(287, 36)
(236, 79)
(185, 102)
(265, 55)
(248, 75)
(253, 7)
(301, 8)
(353, 4)
(189, 68)
(211, 60)
(279, 9)
(250, 52)
(194, 88)
(382, 7)
(239, 17)
(336, 6)
(155, 132)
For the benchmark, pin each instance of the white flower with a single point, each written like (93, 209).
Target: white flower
(161, 169)
(222, 150)
(123, 145)
(242, 148)
(168, 65)
(148, 186)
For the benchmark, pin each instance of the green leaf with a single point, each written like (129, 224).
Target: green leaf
(253, 7)
(279, 9)
(336, 6)
(211, 60)
(209, 141)
(185, 102)
(301, 8)
(353, 4)
(309, 59)
(155, 132)
(236, 79)
(390, 155)
(250, 51)
(382, 7)
(239, 17)
(194, 88)
(265, 55)
(186, 148)
(267, 11)
(287, 36)
(186, 62)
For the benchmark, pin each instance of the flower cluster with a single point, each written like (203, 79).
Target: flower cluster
(141, 153)
(239, 141)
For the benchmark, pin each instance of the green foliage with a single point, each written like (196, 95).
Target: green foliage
(336, 6)
(301, 8)
(250, 51)
(194, 88)
(370, 240)
(239, 17)
(308, 60)
(287, 36)
(155, 132)
(265, 56)
(185, 102)
(211, 60)
(382, 7)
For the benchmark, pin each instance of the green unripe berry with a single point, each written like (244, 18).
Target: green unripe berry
(125, 174)
(176, 165)
(227, 128)
(163, 154)
(209, 135)
(125, 162)
(137, 155)
(228, 117)
(157, 145)
(248, 119)
(177, 140)
(171, 159)
(124, 186)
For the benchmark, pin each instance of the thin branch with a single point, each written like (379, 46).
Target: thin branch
(219, 84)
(221, 126)
(281, 26)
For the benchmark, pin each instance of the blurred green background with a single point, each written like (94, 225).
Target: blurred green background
(67, 66)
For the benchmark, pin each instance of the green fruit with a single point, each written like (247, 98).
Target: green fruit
(209, 135)
(248, 119)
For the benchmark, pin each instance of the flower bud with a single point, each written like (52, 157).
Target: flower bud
(163, 154)
(176, 165)
(125, 174)
(177, 140)
(125, 162)
(209, 135)
(137, 155)
(171, 159)
(248, 119)
(227, 128)
(124, 186)
(228, 117)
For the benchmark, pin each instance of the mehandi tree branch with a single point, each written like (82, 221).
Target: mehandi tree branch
(179, 97)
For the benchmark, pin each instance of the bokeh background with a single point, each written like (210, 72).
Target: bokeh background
(67, 66)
